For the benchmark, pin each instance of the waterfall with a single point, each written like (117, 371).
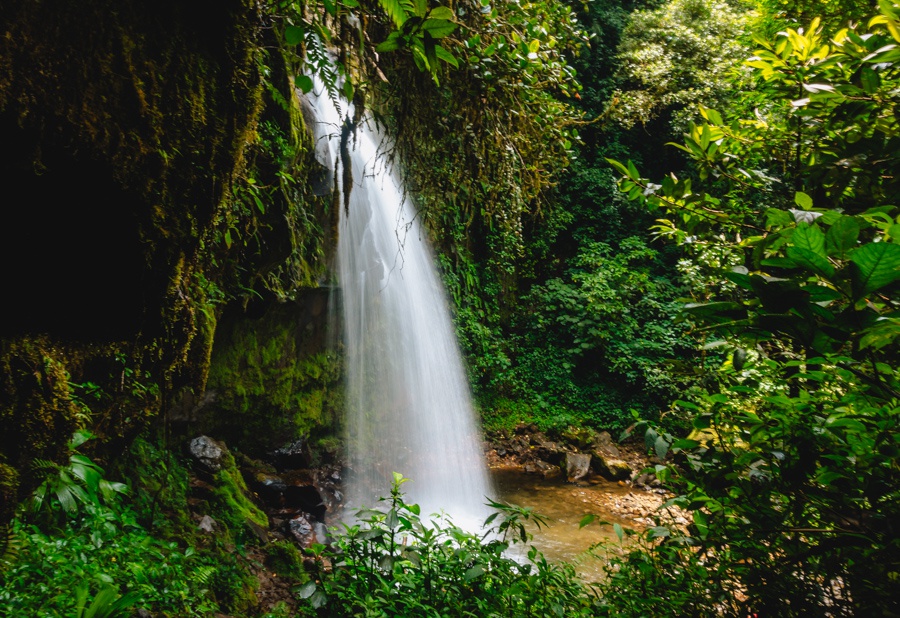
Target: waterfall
(408, 404)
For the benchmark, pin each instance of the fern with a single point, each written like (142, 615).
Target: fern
(203, 575)
(10, 546)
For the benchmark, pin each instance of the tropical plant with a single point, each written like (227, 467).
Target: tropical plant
(75, 485)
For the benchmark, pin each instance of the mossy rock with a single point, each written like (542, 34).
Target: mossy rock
(272, 379)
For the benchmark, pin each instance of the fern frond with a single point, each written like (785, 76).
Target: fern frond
(10, 546)
(203, 575)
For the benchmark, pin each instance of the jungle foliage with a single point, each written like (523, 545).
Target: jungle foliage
(80, 546)
(397, 561)
(791, 474)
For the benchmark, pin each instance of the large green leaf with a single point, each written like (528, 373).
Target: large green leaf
(874, 265)
(441, 12)
(293, 35)
(885, 332)
(809, 237)
(438, 28)
(841, 236)
(392, 43)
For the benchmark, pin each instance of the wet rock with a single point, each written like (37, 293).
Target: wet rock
(302, 530)
(545, 469)
(321, 531)
(207, 453)
(293, 456)
(580, 437)
(550, 452)
(269, 487)
(305, 498)
(610, 467)
(608, 461)
(523, 428)
(578, 465)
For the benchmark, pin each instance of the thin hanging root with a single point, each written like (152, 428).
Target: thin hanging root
(346, 168)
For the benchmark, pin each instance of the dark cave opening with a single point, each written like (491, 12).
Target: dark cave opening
(71, 263)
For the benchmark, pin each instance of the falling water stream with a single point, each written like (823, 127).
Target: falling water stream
(408, 405)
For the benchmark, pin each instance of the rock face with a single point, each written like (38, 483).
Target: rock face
(134, 129)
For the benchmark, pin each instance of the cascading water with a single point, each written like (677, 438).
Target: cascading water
(408, 403)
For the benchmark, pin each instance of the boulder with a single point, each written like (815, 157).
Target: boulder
(578, 465)
(607, 459)
(269, 487)
(302, 530)
(305, 497)
(207, 453)
(293, 456)
(609, 467)
(207, 524)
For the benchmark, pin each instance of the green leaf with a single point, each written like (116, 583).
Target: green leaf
(441, 12)
(619, 167)
(841, 236)
(811, 261)
(438, 28)
(883, 333)
(293, 35)
(617, 528)
(392, 43)
(808, 236)
(777, 218)
(306, 590)
(474, 572)
(395, 10)
(347, 89)
(446, 56)
(586, 520)
(803, 200)
(331, 7)
(874, 265)
(304, 83)
(661, 446)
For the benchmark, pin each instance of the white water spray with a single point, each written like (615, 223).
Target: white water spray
(408, 403)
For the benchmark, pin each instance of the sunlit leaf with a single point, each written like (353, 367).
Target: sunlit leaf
(875, 265)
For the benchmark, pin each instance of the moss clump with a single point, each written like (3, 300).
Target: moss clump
(283, 558)
(230, 503)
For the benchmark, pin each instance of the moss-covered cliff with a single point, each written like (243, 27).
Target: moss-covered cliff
(160, 160)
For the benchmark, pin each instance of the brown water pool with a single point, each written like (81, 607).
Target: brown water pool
(564, 505)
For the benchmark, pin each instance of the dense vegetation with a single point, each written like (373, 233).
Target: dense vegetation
(674, 219)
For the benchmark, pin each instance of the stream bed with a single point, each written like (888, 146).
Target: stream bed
(564, 505)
